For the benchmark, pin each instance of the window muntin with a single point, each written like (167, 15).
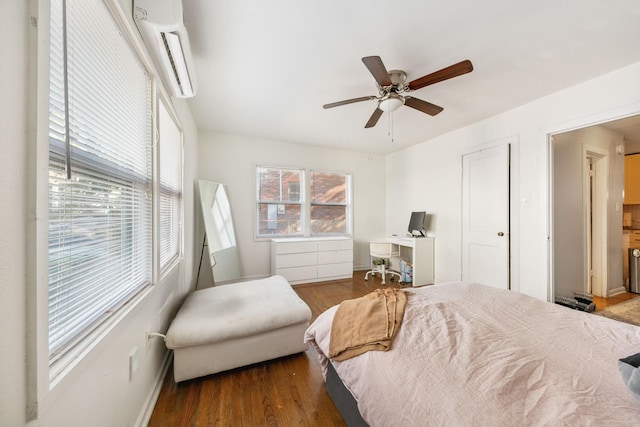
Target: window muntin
(279, 201)
(100, 217)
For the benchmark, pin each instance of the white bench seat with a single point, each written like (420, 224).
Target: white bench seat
(229, 326)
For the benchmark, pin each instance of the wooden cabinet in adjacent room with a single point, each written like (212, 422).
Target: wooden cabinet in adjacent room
(632, 179)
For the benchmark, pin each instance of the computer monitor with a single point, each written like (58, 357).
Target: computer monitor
(416, 224)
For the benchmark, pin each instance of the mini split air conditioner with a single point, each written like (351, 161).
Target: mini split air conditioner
(161, 24)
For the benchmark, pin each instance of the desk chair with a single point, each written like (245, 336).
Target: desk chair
(382, 251)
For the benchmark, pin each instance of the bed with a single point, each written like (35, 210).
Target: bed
(467, 354)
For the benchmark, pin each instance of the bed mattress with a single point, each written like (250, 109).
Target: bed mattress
(469, 354)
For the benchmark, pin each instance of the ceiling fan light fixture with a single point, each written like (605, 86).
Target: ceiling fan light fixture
(391, 102)
(391, 84)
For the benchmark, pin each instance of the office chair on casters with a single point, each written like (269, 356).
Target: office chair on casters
(384, 252)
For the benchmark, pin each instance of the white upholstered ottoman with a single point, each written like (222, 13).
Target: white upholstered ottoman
(234, 325)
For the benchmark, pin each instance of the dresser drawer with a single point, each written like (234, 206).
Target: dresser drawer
(335, 245)
(298, 274)
(295, 247)
(297, 260)
(333, 257)
(328, 271)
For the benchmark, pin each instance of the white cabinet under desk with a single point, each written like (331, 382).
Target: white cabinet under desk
(312, 259)
(419, 252)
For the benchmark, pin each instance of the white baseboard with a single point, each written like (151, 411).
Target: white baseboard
(152, 397)
(617, 291)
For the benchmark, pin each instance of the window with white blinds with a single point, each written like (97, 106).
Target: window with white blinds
(100, 172)
(170, 188)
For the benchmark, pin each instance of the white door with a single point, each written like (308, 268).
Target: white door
(485, 216)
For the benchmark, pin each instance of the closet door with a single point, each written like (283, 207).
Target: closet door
(485, 216)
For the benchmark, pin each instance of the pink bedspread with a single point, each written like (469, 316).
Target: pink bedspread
(471, 355)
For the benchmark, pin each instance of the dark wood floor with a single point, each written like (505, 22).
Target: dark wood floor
(283, 392)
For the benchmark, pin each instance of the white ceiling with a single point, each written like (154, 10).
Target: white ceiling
(265, 68)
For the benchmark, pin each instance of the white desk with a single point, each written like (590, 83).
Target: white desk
(418, 251)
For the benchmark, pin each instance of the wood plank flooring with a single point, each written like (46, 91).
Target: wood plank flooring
(601, 302)
(283, 392)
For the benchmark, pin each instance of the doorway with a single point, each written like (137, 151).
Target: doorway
(586, 206)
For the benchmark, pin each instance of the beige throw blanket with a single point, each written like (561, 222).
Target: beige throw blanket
(366, 323)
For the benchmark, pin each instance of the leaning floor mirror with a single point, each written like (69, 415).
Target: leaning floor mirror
(220, 240)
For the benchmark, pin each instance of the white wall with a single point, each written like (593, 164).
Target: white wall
(568, 216)
(632, 147)
(428, 175)
(13, 145)
(231, 160)
(97, 391)
(570, 239)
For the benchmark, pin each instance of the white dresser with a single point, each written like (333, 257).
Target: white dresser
(312, 259)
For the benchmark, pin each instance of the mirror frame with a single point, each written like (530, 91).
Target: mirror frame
(220, 232)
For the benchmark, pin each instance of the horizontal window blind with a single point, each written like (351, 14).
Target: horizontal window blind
(100, 219)
(170, 188)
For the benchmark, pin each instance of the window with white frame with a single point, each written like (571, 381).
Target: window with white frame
(170, 188)
(329, 197)
(279, 201)
(288, 205)
(101, 174)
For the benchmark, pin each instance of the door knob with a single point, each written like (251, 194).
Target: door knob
(500, 233)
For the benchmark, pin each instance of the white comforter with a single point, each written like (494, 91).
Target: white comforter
(471, 355)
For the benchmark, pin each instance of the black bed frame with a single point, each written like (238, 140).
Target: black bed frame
(343, 399)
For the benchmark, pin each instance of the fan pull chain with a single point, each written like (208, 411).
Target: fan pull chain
(390, 133)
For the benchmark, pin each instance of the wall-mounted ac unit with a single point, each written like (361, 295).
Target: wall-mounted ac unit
(161, 24)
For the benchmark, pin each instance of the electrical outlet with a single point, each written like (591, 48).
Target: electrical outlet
(133, 363)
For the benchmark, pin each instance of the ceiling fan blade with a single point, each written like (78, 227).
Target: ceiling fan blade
(348, 101)
(374, 118)
(377, 69)
(449, 72)
(423, 106)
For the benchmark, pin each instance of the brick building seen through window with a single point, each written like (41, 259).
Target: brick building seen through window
(282, 202)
